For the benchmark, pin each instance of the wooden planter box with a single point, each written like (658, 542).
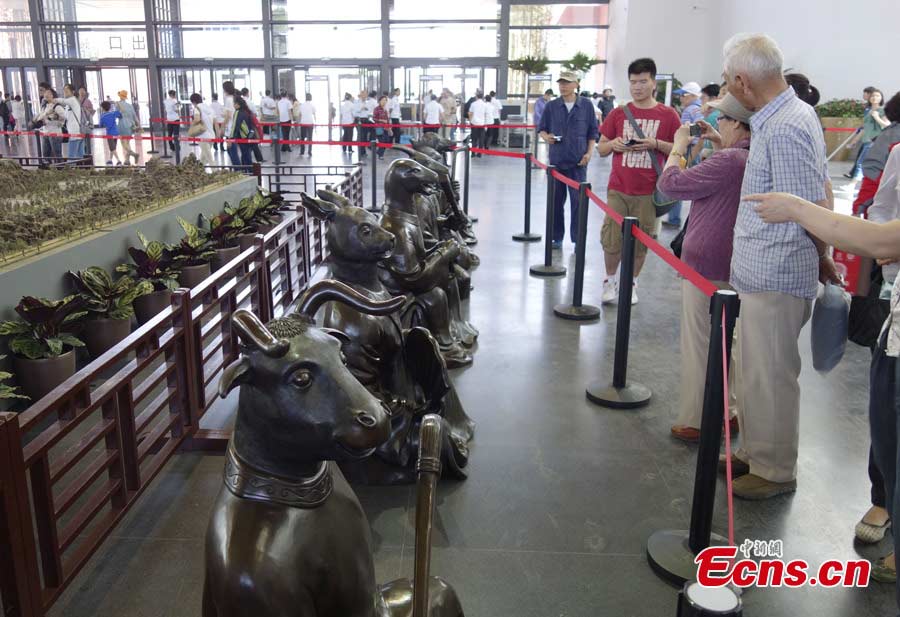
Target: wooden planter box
(833, 139)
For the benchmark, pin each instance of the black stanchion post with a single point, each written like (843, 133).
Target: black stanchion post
(671, 553)
(374, 145)
(548, 268)
(527, 236)
(163, 135)
(276, 147)
(152, 149)
(466, 168)
(176, 147)
(37, 139)
(578, 311)
(621, 394)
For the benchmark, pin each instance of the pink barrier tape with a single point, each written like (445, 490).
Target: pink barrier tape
(682, 268)
(841, 129)
(512, 155)
(618, 218)
(567, 181)
(537, 163)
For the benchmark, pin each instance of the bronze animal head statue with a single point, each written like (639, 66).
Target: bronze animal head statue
(423, 159)
(354, 234)
(405, 177)
(299, 404)
(435, 142)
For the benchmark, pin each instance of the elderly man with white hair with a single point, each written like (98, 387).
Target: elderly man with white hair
(775, 268)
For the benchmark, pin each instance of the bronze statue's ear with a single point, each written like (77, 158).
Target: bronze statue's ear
(233, 375)
(339, 335)
(319, 208)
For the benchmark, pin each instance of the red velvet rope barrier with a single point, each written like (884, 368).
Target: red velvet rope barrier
(567, 181)
(695, 278)
(512, 155)
(537, 163)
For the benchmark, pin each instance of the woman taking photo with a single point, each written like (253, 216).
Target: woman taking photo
(714, 188)
(880, 241)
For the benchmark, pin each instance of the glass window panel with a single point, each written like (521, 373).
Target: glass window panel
(443, 40)
(16, 43)
(307, 10)
(210, 41)
(557, 44)
(14, 10)
(95, 42)
(457, 9)
(326, 41)
(225, 10)
(94, 10)
(559, 15)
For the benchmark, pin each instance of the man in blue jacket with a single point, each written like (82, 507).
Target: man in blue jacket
(569, 125)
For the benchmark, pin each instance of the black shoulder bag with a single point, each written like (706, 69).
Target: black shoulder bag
(663, 202)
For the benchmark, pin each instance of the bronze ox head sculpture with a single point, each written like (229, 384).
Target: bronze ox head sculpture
(356, 235)
(405, 178)
(287, 535)
(435, 142)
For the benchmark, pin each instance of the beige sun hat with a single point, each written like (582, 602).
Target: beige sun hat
(729, 106)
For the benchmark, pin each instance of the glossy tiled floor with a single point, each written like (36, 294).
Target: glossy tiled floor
(562, 495)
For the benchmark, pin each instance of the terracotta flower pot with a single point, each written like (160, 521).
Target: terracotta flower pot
(223, 256)
(39, 377)
(191, 276)
(146, 307)
(100, 335)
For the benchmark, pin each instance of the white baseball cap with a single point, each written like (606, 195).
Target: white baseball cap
(691, 87)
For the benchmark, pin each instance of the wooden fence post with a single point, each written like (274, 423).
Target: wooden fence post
(20, 582)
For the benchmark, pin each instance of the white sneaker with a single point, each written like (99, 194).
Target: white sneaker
(610, 291)
(634, 298)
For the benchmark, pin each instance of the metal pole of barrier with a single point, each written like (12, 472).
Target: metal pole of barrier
(621, 394)
(37, 139)
(578, 311)
(374, 145)
(276, 147)
(177, 149)
(165, 142)
(671, 553)
(152, 149)
(548, 268)
(466, 168)
(527, 236)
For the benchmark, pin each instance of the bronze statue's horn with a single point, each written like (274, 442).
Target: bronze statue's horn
(328, 290)
(405, 150)
(319, 208)
(255, 334)
(333, 197)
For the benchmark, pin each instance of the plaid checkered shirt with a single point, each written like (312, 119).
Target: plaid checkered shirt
(787, 154)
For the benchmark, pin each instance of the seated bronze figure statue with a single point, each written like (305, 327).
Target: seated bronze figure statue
(402, 367)
(287, 536)
(413, 268)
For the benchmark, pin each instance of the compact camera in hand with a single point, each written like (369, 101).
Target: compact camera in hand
(696, 130)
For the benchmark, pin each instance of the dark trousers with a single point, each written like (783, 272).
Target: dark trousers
(431, 129)
(856, 171)
(234, 154)
(384, 138)
(306, 133)
(257, 153)
(396, 130)
(560, 190)
(174, 131)
(883, 408)
(246, 161)
(362, 134)
(347, 136)
(285, 135)
(478, 137)
(493, 137)
(875, 478)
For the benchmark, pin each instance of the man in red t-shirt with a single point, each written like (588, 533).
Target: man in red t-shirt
(633, 179)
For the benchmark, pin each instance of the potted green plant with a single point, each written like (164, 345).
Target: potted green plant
(193, 254)
(580, 63)
(109, 306)
(42, 342)
(155, 263)
(529, 65)
(223, 232)
(7, 391)
(843, 114)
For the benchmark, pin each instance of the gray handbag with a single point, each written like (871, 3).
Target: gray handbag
(663, 202)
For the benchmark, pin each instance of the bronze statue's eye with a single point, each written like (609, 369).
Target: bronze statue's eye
(365, 230)
(302, 379)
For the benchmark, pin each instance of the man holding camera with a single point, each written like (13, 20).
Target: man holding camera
(569, 125)
(633, 177)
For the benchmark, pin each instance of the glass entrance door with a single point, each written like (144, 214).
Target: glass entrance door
(461, 81)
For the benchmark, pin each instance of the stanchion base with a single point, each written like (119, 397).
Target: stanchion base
(632, 396)
(671, 557)
(542, 270)
(585, 312)
(166, 156)
(527, 237)
(152, 151)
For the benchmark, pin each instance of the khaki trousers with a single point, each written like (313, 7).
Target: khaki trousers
(695, 328)
(770, 391)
